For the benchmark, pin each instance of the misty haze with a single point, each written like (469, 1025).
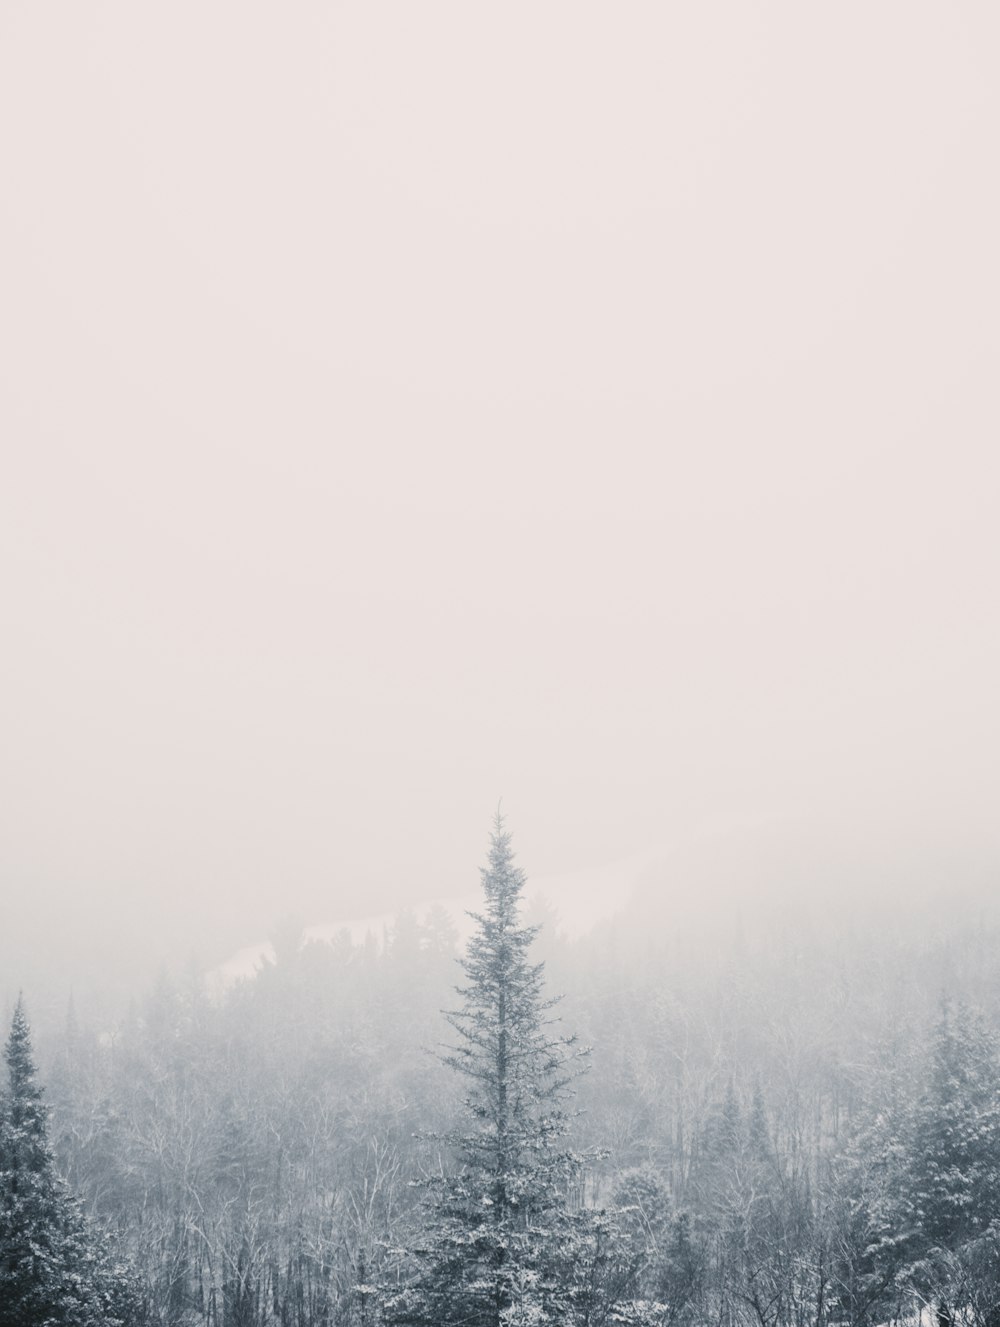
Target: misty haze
(499, 708)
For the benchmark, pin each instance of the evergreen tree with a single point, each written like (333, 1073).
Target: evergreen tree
(506, 1242)
(953, 1181)
(53, 1271)
(955, 1166)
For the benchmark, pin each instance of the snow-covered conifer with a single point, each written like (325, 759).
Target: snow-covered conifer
(53, 1269)
(506, 1240)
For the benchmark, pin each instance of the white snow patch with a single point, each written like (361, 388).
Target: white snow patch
(581, 901)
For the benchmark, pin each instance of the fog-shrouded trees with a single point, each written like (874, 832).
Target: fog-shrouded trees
(787, 1137)
(54, 1270)
(951, 1183)
(506, 1240)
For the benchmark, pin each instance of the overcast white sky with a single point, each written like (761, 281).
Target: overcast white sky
(405, 405)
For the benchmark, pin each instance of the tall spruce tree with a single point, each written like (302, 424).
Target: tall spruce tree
(951, 1193)
(54, 1271)
(954, 1181)
(507, 1242)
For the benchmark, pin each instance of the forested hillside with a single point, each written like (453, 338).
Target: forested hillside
(409, 405)
(780, 1123)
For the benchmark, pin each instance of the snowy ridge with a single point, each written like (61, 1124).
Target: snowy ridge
(580, 900)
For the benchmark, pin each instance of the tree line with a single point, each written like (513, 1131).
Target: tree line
(775, 1127)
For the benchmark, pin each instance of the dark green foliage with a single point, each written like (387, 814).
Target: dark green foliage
(669, 1256)
(866, 1242)
(505, 1238)
(954, 1174)
(951, 1190)
(795, 1138)
(914, 1195)
(499, 1219)
(54, 1270)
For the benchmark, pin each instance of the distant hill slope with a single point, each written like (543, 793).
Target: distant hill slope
(577, 902)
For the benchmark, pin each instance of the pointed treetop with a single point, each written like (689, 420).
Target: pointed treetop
(502, 880)
(25, 1112)
(17, 1052)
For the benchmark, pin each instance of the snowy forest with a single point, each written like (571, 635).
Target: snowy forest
(776, 1125)
(591, 406)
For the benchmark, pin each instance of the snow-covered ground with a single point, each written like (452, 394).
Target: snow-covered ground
(581, 901)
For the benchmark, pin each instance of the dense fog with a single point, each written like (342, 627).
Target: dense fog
(551, 438)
